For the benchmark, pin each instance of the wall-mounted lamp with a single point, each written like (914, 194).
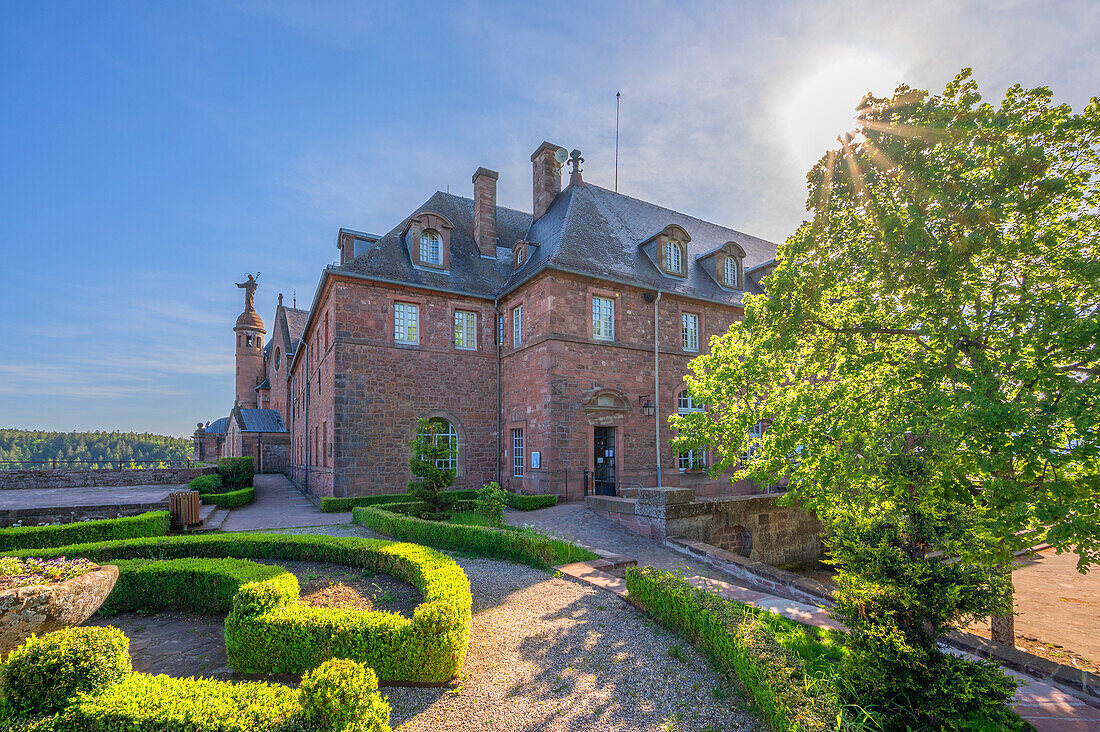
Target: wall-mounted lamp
(647, 405)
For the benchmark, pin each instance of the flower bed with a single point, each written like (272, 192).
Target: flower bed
(153, 523)
(15, 572)
(269, 630)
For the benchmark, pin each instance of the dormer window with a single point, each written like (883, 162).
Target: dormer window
(428, 238)
(431, 247)
(519, 255)
(730, 272)
(674, 257)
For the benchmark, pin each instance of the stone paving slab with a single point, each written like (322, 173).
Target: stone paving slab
(279, 505)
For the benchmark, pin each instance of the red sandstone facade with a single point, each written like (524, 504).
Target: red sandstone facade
(549, 406)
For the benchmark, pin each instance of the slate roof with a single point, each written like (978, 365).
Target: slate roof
(218, 426)
(259, 420)
(470, 273)
(295, 323)
(266, 384)
(587, 230)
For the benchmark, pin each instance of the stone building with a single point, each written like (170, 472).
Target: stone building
(550, 346)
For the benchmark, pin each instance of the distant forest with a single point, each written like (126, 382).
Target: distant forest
(35, 449)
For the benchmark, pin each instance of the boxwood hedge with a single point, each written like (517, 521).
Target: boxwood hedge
(206, 484)
(525, 502)
(232, 499)
(153, 523)
(336, 505)
(790, 699)
(522, 546)
(204, 586)
(268, 630)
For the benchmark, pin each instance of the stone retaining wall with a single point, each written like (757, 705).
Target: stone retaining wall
(110, 477)
(755, 527)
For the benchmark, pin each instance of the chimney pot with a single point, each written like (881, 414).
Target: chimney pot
(546, 177)
(485, 211)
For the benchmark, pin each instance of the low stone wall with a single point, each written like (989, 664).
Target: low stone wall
(755, 527)
(66, 478)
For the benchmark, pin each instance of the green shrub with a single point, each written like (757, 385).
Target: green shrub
(525, 502)
(204, 586)
(342, 695)
(527, 547)
(337, 505)
(269, 631)
(44, 674)
(231, 499)
(236, 472)
(206, 484)
(144, 703)
(790, 698)
(153, 523)
(491, 500)
(431, 481)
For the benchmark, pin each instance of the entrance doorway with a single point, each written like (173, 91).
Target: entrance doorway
(604, 460)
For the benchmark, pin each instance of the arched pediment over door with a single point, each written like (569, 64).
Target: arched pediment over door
(605, 407)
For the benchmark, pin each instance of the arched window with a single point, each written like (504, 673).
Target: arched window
(431, 247)
(673, 257)
(277, 358)
(445, 434)
(730, 274)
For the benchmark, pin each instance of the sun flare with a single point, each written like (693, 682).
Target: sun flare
(822, 104)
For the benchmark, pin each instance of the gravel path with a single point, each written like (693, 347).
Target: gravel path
(549, 654)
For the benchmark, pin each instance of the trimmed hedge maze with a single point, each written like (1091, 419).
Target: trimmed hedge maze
(268, 629)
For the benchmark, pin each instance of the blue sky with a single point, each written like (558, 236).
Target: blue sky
(152, 153)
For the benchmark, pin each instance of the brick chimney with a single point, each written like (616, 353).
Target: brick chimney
(485, 211)
(547, 177)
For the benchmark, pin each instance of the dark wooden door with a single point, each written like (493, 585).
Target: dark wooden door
(604, 461)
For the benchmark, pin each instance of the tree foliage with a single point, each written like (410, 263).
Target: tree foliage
(925, 363)
(429, 449)
(34, 448)
(943, 300)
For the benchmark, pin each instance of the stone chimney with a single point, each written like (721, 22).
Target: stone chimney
(547, 177)
(485, 211)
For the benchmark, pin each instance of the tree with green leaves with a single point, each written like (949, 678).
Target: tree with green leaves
(430, 450)
(930, 340)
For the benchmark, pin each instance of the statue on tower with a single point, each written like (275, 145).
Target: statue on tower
(249, 286)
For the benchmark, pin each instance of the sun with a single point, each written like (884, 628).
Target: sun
(822, 102)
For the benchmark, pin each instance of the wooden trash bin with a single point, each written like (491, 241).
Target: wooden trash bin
(184, 507)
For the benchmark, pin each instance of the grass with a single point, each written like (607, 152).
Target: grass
(565, 552)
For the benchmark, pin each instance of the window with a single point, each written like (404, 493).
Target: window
(406, 322)
(277, 357)
(500, 330)
(755, 433)
(517, 326)
(692, 459)
(517, 453)
(603, 318)
(673, 259)
(465, 329)
(445, 434)
(729, 272)
(431, 247)
(689, 327)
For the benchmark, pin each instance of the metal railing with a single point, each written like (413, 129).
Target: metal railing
(62, 464)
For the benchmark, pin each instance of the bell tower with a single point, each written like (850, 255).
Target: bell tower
(250, 332)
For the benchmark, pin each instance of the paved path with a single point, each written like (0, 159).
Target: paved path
(1044, 706)
(107, 496)
(279, 505)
